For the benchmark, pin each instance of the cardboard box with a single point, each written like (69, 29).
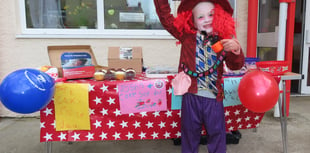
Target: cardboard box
(56, 54)
(118, 57)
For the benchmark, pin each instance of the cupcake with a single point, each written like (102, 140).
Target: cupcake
(104, 71)
(99, 75)
(130, 74)
(110, 75)
(120, 74)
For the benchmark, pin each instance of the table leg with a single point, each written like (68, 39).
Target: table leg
(49, 147)
(276, 112)
(283, 118)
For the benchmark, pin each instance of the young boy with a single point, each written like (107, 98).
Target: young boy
(198, 25)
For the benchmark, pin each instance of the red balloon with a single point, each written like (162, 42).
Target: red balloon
(258, 91)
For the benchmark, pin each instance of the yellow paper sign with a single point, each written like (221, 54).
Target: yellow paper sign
(71, 106)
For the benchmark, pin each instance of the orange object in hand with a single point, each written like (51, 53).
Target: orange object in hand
(217, 47)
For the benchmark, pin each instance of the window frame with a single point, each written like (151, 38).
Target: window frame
(100, 32)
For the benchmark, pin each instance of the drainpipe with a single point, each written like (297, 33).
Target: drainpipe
(289, 45)
(252, 28)
(285, 44)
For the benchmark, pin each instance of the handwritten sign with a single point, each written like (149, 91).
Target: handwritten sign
(142, 96)
(71, 107)
(231, 85)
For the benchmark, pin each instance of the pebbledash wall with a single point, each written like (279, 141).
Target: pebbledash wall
(17, 53)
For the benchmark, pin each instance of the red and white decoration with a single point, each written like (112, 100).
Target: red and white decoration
(107, 123)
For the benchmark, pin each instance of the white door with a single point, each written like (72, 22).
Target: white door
(305, 83)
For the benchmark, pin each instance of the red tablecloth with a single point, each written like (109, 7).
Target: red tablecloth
(108, 124)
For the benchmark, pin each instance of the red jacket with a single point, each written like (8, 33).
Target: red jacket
(188, 49)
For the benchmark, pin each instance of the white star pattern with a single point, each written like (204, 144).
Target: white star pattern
(48, 137)
(231, 128)
(117, 112)
(143, 114)
(111, 101)
(107, 122)
(167, 135)
(54, 124)
(174, 124)
(239, 120)
(76, 136)
(256, 118)
(104, 88)
(178, 134)
(91, 88)
(124, 124)
(227, 113)
(137, 124)
(116, 89)
(154, 135)
(229, 121)
(104, 112)
(179, 114)
(237, 112)
(247, 118)
(156, 114)
(169, 113)
(97, 100)
(48, 111)
(249, 125)
(90, 136)
(129, 135)
(91, 111)
(103, 136)
(111, 124)
(170, 91)
(142, 135)
(62, 136)
(116, 136)
(162, 125)
(42, 125)
(149, 125)
(97, 124)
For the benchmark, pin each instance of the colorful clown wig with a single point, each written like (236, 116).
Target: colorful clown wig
(223, 23)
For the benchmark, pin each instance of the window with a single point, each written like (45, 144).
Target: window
(267, 28)
(61, 14)
(92, 19)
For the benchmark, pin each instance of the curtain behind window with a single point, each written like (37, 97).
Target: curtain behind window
(45, 13)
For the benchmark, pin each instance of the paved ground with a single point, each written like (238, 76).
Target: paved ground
(21, 135)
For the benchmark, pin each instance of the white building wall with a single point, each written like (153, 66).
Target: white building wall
(17, 53)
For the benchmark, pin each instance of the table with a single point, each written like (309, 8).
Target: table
(108, 124)
(282, 106)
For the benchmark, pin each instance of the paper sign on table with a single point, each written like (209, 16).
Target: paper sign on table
(142, 96)
(231, 85)
(176, 101)
(71, 107)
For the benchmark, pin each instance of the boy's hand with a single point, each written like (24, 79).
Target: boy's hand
(231, 45)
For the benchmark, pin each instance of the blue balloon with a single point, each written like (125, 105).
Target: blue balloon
(26, 90)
